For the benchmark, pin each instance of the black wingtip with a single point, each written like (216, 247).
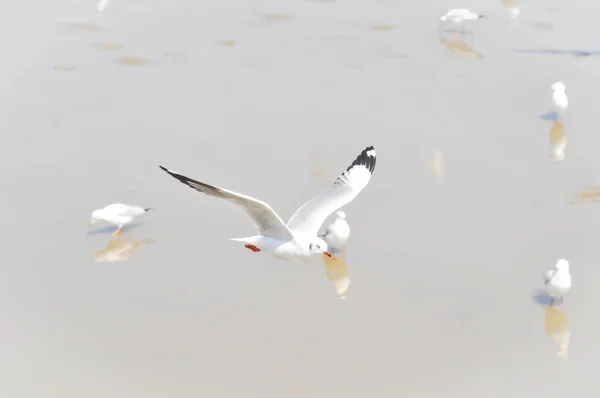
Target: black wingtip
(163, 168)
(148, 208)
(367, 158)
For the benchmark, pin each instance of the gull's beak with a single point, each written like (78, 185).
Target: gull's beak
(327, 253)
(91, 223)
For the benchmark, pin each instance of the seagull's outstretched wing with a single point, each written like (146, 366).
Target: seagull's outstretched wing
(310, 216)
(260, 213)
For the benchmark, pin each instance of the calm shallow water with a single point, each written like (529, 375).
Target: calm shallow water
(244, 95)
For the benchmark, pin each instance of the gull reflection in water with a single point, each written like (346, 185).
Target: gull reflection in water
(436, 162)
(101, 6)
(558, 329)
(119, 249)
(337, 273)
(513, 9)
(460, 48)
(576, 53)
(318, 171)
(589, 194)
(558, 141)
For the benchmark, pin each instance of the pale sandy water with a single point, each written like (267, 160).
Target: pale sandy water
(443, 270)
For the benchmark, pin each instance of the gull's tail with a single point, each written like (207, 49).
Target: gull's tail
(147, 209)
(248, 239)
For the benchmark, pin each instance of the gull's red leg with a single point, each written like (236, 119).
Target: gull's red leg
(252, 247)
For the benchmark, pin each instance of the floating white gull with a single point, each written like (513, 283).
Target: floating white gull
(558, 280)
(460, 15)
(118, 214)
(298, 240)
(336, 234)
(560, 101)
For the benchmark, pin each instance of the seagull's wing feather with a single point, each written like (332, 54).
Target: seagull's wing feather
(132, 211)
(326, 232)
(548, 276)
(260, 213)
(310, 216)
(123, 210)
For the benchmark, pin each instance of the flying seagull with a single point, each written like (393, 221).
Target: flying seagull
(297, 241)
(558, 281)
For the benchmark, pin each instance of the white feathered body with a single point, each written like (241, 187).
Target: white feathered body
(460, 14)
(297, 240)
(293, 250)
(337, 234)
(558, 282)
(119, 213)
(560, 101)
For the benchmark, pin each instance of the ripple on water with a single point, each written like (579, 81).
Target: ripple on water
(64, 68)
(589, 194)
(460, 48)
(227, 43)
(278, 17)
(383, 27)
(133, 61)
(107, 46)
(80, 27)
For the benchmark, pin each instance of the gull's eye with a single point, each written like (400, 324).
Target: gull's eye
(310, 246)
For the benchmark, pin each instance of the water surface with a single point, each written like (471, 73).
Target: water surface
(246, 95)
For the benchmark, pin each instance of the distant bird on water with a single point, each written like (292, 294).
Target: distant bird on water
(101, 6)
(459, 16)
(560, 101)
(337, 233)
(117, 214)
(513, 9)
(558, 281)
